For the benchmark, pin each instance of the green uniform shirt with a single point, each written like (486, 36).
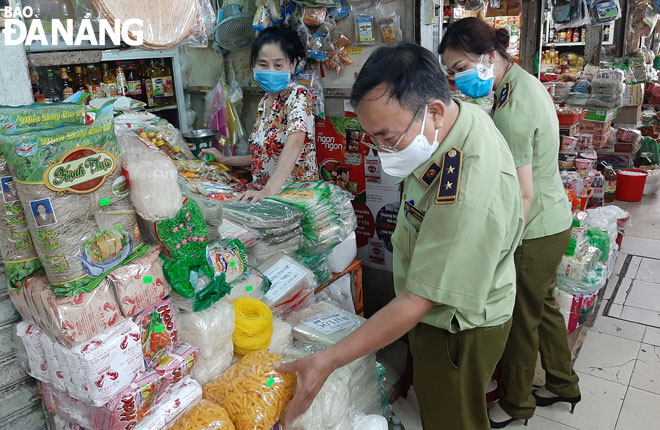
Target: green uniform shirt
(525, 115)
(455, 246)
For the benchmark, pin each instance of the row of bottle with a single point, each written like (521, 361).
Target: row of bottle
(152, 84)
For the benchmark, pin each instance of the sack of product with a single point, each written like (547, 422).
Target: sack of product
(292, 285)
(211, 331)
(195, 284)
(159, 331)
(264, 214)
(262, 252)
(253, 392)
(40, 116)
(227, 257)
(252, 283)
(323, 323)
(75, 199)
(185, 235)
(99, 369)
(343, 254)
(140, 283)
(339, 293)
(173, 403)
(204, 415)
(72, 320)
(16, 247)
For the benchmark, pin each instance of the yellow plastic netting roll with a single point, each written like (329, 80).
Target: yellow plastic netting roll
(205, 415)
(254, 326)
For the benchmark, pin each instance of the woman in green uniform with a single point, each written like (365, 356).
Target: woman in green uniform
(476, 54)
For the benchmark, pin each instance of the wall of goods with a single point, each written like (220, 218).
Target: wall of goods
(150, 298)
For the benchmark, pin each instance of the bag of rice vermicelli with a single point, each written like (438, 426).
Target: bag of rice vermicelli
(75, 200)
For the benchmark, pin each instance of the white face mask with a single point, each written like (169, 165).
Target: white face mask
(402, 163)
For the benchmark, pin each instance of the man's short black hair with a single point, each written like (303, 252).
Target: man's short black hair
(412, 75)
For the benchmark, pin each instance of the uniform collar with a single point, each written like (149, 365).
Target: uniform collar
(508, 77)
(456, 137)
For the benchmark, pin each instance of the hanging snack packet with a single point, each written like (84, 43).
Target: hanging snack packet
(364, 30)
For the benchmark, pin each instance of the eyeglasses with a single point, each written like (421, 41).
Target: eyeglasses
(398, 142)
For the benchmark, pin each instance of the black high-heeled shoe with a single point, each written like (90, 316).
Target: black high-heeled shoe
(549, 401)
(494, 425)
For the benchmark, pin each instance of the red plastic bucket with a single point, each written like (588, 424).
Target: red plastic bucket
(630, 184)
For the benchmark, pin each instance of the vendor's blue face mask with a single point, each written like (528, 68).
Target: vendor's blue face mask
(477, 81)
(272, 81)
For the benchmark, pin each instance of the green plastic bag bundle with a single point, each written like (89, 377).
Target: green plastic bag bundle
(195, 285)
(39, 116)
(651, 146)
(318, 264)
(601, 240)
(185, 235)
(81, 220)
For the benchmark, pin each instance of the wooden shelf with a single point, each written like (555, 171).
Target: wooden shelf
(162, 108)
(559, 45)
(355, 269)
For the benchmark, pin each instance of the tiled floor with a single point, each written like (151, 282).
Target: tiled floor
(619, 363)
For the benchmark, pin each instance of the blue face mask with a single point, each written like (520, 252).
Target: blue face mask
(272, 81)
(477, 81)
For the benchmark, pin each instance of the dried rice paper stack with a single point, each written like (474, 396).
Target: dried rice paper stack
(167, 23)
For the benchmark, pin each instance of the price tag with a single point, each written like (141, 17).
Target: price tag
(159, 329)
(104, 202)
(249, 288)
(354, 51)
(270, 382)
(330, 322)
(283, 276)
(148, 280)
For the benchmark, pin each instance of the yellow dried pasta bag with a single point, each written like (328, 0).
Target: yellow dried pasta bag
(253, 392)
(205, 415)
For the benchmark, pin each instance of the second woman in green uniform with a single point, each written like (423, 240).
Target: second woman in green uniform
(476, 54)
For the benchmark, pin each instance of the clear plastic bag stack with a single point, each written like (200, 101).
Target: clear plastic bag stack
(211, 331)
(252, 284)
(324, 324)
(253, 392)
(231, 230)
(292, 285)
(607, 89)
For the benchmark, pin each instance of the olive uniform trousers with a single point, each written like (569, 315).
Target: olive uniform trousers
(536, 326)
(451, 372)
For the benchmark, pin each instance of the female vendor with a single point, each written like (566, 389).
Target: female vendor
(282, 142)
(476, 54)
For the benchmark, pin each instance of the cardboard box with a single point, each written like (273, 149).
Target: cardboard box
(600, 140)
(593, 127)
(629, 115)
(626, 147)
(617, 160)
(376, 224)
(600, 115)
(569, 130)
(633, 95)
(606, 149)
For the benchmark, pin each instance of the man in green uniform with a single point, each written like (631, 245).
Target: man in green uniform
(459, 225)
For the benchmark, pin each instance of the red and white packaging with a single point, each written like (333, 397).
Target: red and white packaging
(84, 315)
(56, 370)
(20, 303)
(30, 335)
(130, 407)
(173, 404)
(108, 363)
(176, 366)
(140, 283)
(158, 331)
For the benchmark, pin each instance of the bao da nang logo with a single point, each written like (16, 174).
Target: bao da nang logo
(16, 32)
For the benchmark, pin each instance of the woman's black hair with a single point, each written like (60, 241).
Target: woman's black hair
(283, 36)
(472, 35)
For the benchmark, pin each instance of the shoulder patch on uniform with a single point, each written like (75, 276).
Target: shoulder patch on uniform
(504, 97)
(431, 173)
(450, 178)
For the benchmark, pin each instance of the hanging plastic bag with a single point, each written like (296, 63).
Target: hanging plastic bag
(604, 11)
(390, 28)
(215, 112)
(364, 30)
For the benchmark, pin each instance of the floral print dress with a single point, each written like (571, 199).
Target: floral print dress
(292, 111)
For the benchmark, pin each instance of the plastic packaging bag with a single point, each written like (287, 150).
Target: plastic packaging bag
(314, 16)
(339, 294)
(159, 332)
(204, 415)
(262, 214)
(252, 284)
(254, 394)
(292, 284)
(364, 30)
(81, 230)
(318, 264)
(211, 331)
(390, 28)
(184, 235)
(227, 257)
(20, 119)
(263, 252)
(231, 230)
(343, 254)
(323, 324)
(140, 283)
(176, 366)
(604, 11)
(282, 336)
(195, 285)
(369, 422)
(172, 405)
